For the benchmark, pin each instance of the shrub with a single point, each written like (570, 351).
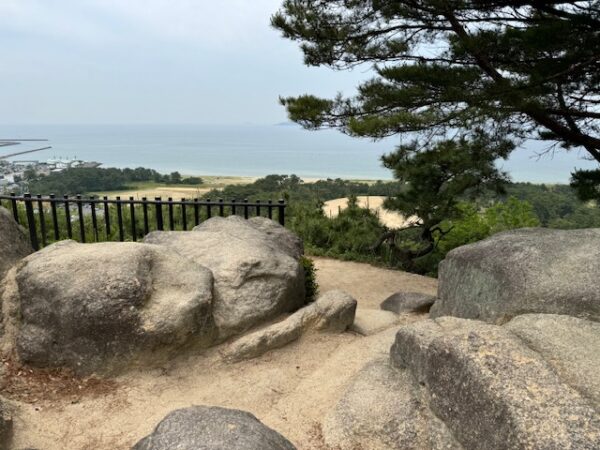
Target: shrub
(310, 279)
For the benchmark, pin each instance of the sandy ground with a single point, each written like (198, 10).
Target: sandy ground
(375, 203)
(290, 389)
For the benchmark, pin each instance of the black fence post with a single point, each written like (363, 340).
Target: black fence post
(81, 218)
(257, 208)
(208, 208)
(68, 218)
(171, 220)
(120, 219)
(270, 209)
(54, 217)
(159, 216)
(94, 218)
(196, 212)
(13, 202)
(42, 219)
(145, 212)
(282, 212)
(183, 214)
(106, 217)
(132, 214)
(31, 221)
(245, 208)
(221, 208)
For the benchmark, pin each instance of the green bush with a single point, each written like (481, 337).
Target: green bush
(310, 279)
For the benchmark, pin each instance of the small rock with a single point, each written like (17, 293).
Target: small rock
(408, 302)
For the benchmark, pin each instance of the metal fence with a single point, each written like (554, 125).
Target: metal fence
(50, 218)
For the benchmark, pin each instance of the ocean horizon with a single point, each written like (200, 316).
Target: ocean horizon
(253, 150)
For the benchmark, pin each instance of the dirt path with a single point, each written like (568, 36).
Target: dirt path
(290, 389)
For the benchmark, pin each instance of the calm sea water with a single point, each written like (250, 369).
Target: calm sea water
(250, 150)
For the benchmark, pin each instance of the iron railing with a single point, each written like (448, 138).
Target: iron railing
(50, 218)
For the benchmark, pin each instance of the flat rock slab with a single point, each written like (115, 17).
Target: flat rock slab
(530, 270)
(212, 428)
(408, 302)
(371, 321)
(492, 390)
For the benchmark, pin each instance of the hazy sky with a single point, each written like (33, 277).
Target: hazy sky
(150, 61)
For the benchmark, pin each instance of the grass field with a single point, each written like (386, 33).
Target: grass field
(151, 189)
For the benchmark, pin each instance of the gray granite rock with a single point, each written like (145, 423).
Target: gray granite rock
(212, 428)
(256, 277)
(532, 270)
(408, 302)
(90, 307)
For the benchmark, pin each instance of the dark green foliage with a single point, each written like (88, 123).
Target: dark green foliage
(435, 179)
(85, 180)
(310, 279)
(587, 184)
(526, 69)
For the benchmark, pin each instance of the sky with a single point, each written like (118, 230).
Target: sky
(151, 61)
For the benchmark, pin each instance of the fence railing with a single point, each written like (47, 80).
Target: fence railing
(50, 218)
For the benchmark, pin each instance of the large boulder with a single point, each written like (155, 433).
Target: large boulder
(212, 428)
(332, 312)
(522, 271)
(257, 275)
(92, 307)
(14, 243)
(492, 390)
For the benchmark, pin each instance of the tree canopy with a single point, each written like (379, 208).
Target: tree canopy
(516, 69)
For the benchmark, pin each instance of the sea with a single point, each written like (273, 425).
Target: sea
(254, 150)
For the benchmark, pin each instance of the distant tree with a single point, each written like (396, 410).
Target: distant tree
(193, 180)
(29, 174)
(520, 69)
(436, 179)
(175, 178)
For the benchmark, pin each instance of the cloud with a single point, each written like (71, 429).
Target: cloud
(195, 22)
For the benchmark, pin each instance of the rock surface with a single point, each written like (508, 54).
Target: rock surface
(257, 275)
(89, 306)
(333, 311)
(408, 302)
(532, 270)
(6, 426)
(284, 237)
(212, 428)
(381, 410)
(492, 390)
(372, 321)
(14, 243)
(569, 344)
